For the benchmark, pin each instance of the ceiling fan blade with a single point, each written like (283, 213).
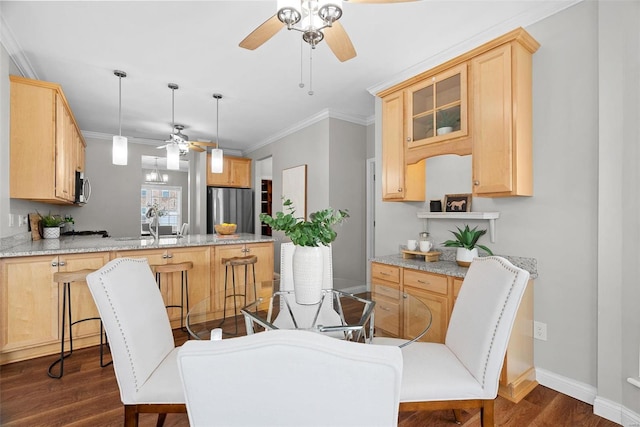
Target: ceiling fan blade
(203, 143)
(339, 42)
(264, 32)
(162, 146)
(196, 148)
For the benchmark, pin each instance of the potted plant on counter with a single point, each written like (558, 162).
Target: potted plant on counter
(307, 236)
(51, 226)
(467, 243)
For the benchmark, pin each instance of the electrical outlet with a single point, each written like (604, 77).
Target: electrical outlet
(540, 331)
(12, 220)
(22, 220)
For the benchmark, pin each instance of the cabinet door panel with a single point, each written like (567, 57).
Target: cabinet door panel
(492, 150)
(29, 302)
(439, 307)
(199, 278)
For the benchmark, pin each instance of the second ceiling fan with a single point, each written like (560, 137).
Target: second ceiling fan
(317, 19)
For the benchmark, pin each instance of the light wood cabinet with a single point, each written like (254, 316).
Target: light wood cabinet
(396, 174)
(489, 90)
(236, 172)
(264, 273)
(502, 130)
(199, 276)
(438, 293)
(436, 108)
(46, 146)
(31, 304)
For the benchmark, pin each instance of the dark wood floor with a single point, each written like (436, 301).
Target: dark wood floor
(88, 395)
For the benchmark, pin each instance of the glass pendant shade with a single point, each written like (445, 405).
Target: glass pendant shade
(217, 160)
(119, 151)
(173, 157)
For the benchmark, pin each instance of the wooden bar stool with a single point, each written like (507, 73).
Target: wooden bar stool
(234, 262)
(66, 278)
(182, 268)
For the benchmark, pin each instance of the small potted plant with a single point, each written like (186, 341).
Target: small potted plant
(446, 121)
(307, 236)
(51, 226)
(467, 243)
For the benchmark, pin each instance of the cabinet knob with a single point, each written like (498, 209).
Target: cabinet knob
(62, 263)
(54, 264)
(476, 182)
(408, 139)
(400, 190)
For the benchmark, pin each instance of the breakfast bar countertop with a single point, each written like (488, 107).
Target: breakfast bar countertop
(86, 244)
(447, 264)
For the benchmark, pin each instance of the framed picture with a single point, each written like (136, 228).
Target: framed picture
(457, 203)
(294, 188)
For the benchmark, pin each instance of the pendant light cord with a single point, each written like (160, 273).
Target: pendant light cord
(120, 105)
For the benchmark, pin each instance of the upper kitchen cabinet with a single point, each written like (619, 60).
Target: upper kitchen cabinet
(436, 108)
(46, 147)
(395, 171)
(502, 127)
(236, 172)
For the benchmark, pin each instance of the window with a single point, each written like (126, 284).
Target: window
(169, 204)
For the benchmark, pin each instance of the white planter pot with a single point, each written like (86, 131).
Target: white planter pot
(308, 264)
(443, 130)
(465, 256)
(51, 232)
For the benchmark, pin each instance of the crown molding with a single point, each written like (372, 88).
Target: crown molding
(522, 20)
(15, 52)
(322, 115)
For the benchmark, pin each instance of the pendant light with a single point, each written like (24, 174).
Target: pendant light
(173, 151)
(217, 158)
(119, 153)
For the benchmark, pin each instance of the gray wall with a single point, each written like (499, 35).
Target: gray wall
(561, 225)
(333, 151)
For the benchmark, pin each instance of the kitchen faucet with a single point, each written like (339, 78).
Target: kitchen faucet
(152, 213)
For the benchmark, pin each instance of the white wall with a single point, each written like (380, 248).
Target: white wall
(332, 149)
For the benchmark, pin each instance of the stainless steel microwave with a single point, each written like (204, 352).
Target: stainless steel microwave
(83, 189)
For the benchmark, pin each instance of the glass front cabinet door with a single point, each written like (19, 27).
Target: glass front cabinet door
(437, 108)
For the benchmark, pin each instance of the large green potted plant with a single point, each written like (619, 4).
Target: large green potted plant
(307, 236)
(467, 243)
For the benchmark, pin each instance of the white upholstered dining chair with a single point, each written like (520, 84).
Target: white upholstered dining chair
(464, 372)
(305, 315)
(290, 378)
(142, 344)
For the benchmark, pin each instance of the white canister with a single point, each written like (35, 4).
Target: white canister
(425, 245)
(412, 244)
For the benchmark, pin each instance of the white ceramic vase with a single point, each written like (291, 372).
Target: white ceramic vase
(443, 130)
(50, 232)
(308, 264)
(464, 256)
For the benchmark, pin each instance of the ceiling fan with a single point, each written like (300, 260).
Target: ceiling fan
(318, 20)
(177, 137)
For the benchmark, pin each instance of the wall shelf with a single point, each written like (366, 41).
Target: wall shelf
(488, 216)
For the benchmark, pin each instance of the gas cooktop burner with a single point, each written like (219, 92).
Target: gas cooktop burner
(104, 233)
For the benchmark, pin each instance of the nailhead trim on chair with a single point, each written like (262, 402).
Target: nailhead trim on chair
(506, 267)
(135, 377)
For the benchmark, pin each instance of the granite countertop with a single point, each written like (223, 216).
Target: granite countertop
(447, 264)
(85, 244)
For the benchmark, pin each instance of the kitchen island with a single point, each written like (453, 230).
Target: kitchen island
(31, 302)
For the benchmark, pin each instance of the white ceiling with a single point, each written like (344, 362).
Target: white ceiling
(195, 44)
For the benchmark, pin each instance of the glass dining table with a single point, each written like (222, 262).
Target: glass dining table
(362, 317)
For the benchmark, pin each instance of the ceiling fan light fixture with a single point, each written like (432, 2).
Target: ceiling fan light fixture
(330, 10)
(289, 12)
(311, 25)
(119, 154)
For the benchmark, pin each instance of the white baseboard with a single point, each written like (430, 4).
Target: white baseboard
(605, 408)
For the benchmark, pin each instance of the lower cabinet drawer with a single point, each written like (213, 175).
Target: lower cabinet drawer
(427, 281)
(388, 273)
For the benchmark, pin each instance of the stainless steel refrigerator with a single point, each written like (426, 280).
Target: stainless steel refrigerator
(232, 205)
